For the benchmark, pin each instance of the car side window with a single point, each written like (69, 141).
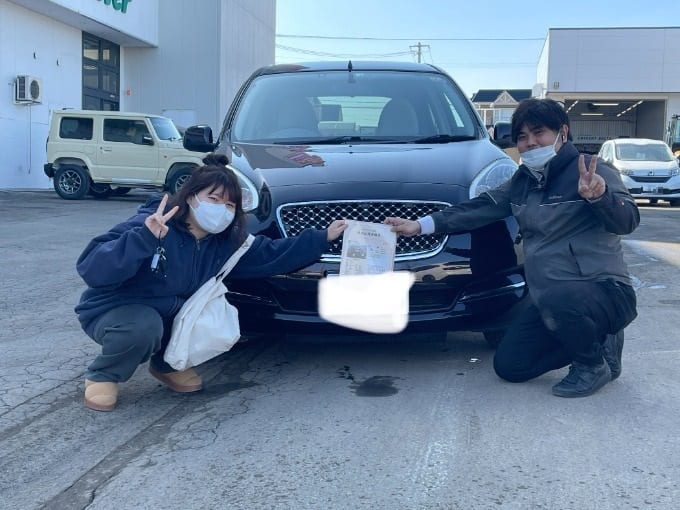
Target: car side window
(76, 128)
(125, 130)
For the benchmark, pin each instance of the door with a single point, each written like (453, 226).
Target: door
(128, 152)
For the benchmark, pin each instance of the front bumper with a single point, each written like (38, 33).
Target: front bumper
(665, 189)
(472, 284)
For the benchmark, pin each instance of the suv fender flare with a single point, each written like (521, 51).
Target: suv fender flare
(70, 161)
(177, 174)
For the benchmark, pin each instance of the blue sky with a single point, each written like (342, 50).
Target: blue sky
(482, 44)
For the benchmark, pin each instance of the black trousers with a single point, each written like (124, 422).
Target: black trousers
(570, 325)
(129, 335)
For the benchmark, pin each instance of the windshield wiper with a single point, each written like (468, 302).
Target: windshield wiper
(337, 140)
(443, 139)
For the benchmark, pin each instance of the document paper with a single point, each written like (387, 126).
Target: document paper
(367, 248)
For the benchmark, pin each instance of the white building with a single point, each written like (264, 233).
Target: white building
(181, 58)
(613, 81)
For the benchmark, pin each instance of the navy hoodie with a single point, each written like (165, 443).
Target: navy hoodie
(116, 266)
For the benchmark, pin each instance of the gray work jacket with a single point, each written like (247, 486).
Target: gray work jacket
(565, 237)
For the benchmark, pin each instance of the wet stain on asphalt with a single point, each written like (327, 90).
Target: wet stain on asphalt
(376, 386)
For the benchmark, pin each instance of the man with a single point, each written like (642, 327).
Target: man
(571, 212)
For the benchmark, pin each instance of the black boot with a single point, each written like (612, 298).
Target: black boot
(582, 380)
(612, 348)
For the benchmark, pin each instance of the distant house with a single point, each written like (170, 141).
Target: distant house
(498, 104)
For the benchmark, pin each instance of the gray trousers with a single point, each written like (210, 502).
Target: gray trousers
(129, 335)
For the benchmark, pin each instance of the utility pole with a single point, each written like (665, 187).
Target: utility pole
(419, 51)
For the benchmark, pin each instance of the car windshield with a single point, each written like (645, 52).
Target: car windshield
(640, 152)
(347, 107)
(165, 128)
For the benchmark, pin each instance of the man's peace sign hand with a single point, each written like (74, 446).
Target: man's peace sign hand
(590, 185)
(156, 222)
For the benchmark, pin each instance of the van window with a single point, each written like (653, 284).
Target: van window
(77, 128)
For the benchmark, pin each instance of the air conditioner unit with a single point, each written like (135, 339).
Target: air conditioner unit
(27, 89)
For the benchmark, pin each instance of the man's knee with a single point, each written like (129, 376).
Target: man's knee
(509, 370)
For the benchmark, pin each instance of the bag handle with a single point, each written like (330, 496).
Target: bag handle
(231, 261)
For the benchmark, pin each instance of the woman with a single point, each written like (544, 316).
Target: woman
(140, 273)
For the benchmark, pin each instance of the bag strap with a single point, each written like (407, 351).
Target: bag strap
(231, 261)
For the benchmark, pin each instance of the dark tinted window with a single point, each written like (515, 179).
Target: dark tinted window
(75, 127)
(125, 130)
(368, 104)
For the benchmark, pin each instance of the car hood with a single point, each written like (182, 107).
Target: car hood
(453, 163)
(643, 168)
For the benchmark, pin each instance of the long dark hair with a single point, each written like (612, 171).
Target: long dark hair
(213, 174)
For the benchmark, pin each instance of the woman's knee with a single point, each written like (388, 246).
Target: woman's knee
(130, 329)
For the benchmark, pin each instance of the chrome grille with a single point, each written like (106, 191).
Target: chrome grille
(293, 218)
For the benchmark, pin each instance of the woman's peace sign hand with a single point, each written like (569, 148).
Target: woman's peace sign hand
(156, 222)
(590, 185)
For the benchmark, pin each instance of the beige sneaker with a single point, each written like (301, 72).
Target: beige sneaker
(184, 381)
(101, 396)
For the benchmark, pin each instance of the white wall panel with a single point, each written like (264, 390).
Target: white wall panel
(614, 60)
(51, 51)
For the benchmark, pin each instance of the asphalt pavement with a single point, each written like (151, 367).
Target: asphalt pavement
(323, 423)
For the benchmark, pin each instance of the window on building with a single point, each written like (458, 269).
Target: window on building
(101, 74)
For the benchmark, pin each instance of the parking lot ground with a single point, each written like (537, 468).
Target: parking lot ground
(311, 423)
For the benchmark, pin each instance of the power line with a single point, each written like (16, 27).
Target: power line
(299, 36)
(341, 55)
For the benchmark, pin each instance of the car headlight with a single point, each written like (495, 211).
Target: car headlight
(675, 171)
(625, 171)
(492, 176)
(250, 200)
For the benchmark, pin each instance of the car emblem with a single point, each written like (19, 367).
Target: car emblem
(651, 172)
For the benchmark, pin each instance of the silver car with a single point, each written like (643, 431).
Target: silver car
(648, 168)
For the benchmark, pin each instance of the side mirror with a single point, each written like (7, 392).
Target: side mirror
(147, 140)
(199, 139)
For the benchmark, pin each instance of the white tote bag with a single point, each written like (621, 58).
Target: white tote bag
(206, 325)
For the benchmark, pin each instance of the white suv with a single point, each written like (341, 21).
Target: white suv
(104, 153)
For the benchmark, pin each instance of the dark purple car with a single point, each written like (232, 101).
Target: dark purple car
(316, 142)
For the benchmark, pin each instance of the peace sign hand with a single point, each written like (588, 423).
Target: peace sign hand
(591, 186)
(156, 222)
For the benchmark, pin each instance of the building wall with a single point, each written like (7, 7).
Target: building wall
(614, 60)
(176, 59)
(35, 45)
(202, 58)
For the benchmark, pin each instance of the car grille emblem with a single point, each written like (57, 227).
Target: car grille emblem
(650, 173)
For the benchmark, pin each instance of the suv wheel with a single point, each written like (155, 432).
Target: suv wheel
(100, 190)
(71, 182)
(181, 176)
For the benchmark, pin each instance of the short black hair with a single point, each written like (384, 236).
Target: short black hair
(537, 113)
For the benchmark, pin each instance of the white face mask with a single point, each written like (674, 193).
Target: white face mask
(536, 159)
(213, 218)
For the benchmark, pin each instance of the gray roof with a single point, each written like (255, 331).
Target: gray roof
(490, 95)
